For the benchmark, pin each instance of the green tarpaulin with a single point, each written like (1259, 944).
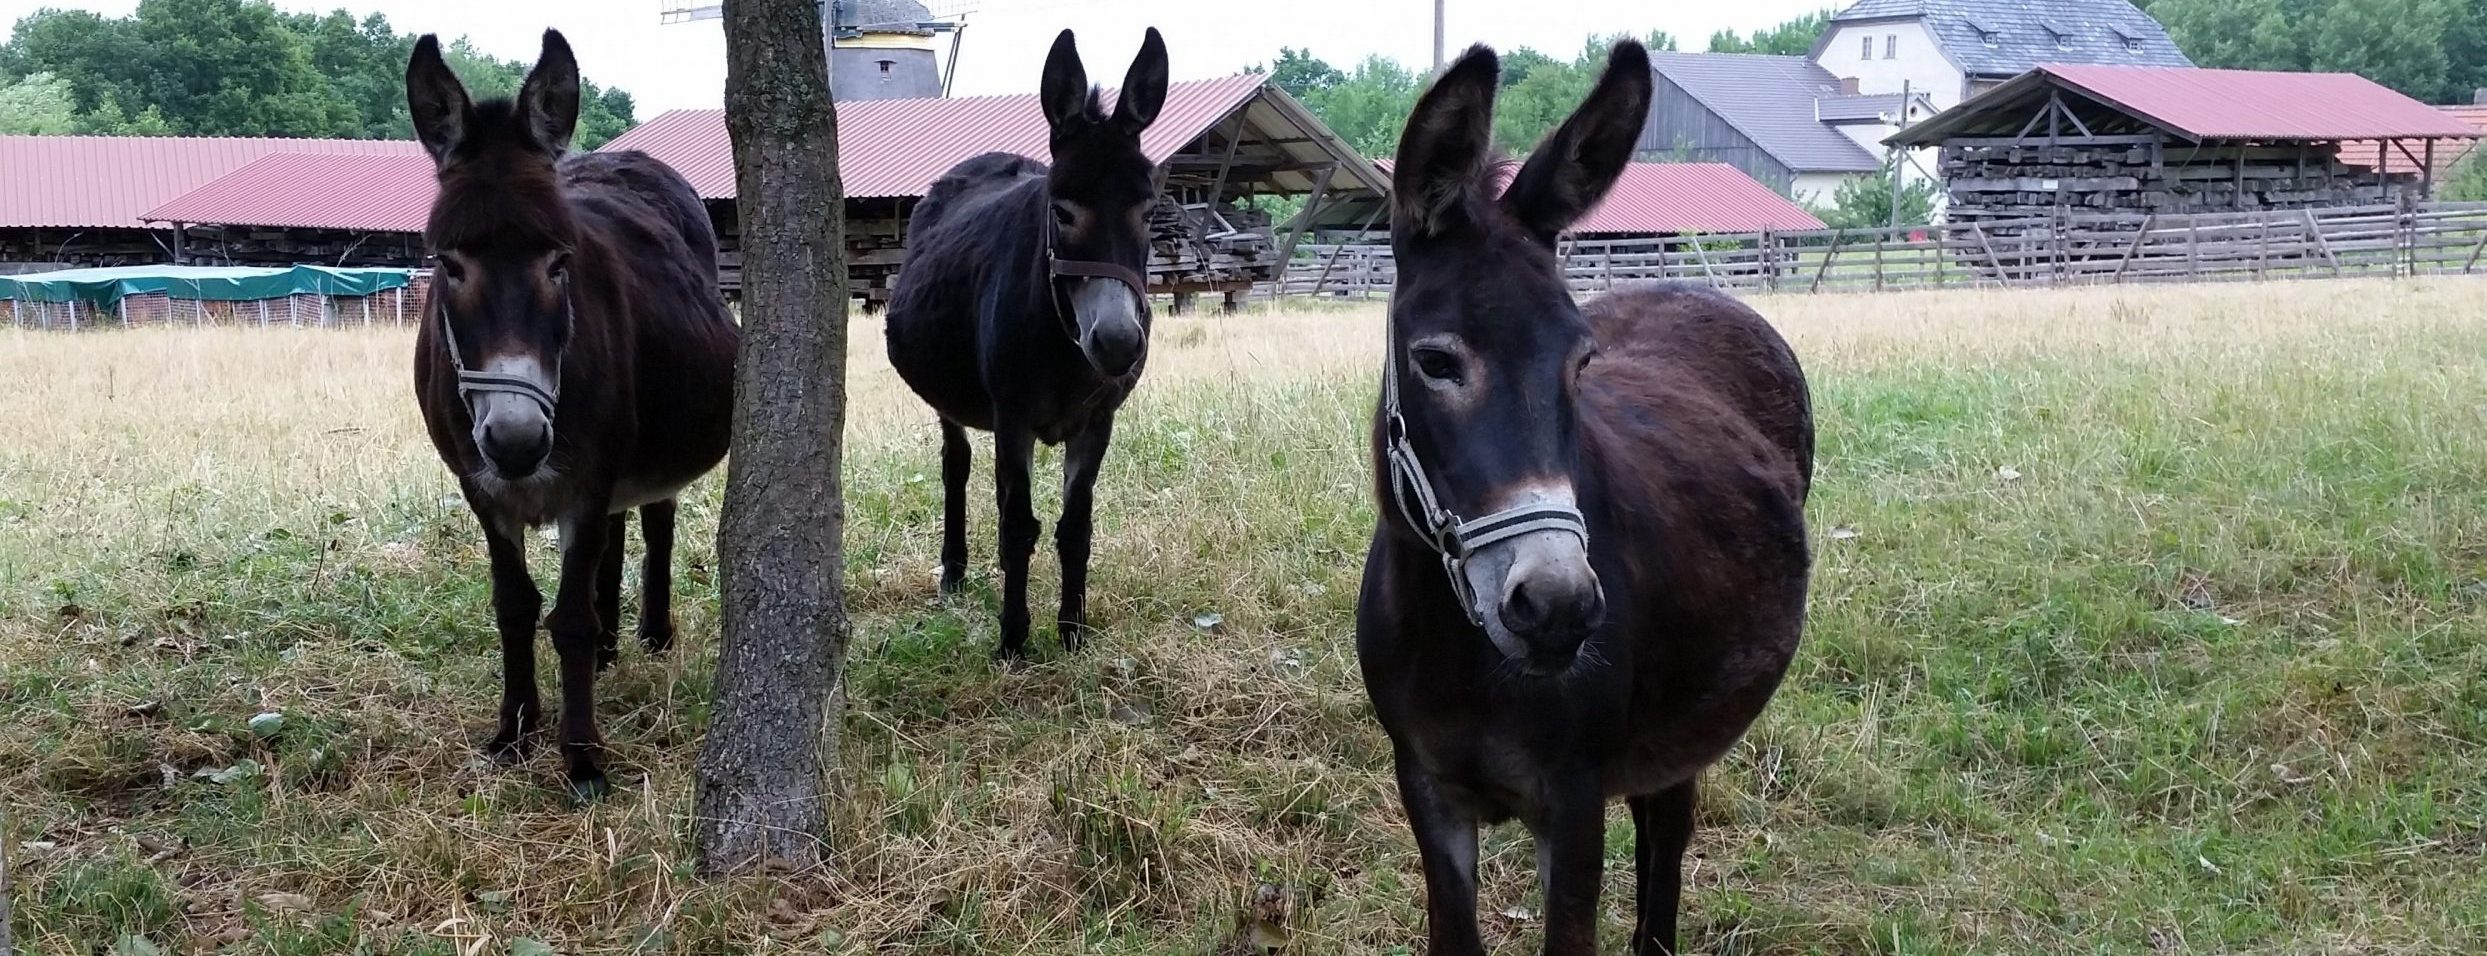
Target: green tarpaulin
(105, 288)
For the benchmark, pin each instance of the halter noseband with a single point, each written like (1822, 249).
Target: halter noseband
(471, 382)
(1442, 530)
(1058, 268)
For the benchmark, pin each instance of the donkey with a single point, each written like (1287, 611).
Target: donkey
(1023, 310)
(1589, 573)
(577, 291)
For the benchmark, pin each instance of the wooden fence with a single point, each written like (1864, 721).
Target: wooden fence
(2384, 240)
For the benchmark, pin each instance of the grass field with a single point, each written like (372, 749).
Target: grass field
(2145, 621)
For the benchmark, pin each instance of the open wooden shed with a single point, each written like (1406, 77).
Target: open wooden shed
(2164, 141)
(1218, 143)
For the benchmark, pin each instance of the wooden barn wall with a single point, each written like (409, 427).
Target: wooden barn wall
(1680, 129)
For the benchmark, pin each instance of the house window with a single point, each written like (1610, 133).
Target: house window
(1869, 47)
(1891, 47)
(2132, 46)
(887, 64)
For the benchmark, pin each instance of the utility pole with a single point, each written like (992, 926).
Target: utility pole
(1437, 37)
(1898, 166)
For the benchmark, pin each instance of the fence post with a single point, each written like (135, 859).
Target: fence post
(2139, 239)
(1770, 262)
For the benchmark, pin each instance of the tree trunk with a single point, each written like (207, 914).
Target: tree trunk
(779, 542)
(8, 913)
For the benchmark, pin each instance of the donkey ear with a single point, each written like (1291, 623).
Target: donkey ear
(1144, 87)
(1064, 90)
(550, 98)
(1573, 169)
(436, 100)
(1444, 152)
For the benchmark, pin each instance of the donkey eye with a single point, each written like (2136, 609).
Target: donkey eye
(1062, 215)
(1437, 364)
(1587, 357)
(558, 269)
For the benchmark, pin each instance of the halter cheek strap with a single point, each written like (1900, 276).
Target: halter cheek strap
(1453, 538)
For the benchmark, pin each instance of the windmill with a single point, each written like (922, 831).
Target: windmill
(878, 49)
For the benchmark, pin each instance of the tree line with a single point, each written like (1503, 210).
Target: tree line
(239, 68)
(2433, 50)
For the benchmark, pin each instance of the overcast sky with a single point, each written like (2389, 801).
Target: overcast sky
(671, 66)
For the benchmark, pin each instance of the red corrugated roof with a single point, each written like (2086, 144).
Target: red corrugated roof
(2258, 105)
(112, 181)
(1658, 198)
(314, 191)
(891, 148)
(2447, 154)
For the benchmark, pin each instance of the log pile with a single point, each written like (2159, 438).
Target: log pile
(1185, 255)
(2013, 182)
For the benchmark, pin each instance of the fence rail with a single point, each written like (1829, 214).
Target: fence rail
(2384, 240)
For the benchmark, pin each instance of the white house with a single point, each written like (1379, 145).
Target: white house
(1951, 50)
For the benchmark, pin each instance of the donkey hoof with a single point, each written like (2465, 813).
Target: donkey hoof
(1074, 632)
(657, 639)
(590, 788)
(952, 580)
(1011, 656)
(608, 655)
(507, 749)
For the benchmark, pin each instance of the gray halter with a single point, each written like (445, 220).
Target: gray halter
(1456, 540)
(471, 382)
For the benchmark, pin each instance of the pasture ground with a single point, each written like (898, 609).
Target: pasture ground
(2146, 621)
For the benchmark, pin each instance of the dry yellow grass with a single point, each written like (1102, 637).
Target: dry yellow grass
(197, 526)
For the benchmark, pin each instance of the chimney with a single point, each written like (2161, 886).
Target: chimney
(1852, 86)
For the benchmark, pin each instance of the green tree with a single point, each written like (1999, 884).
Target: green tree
(365, 62)
(37, 104)
(1302, 74)
(1547, 90)
(1793, 38)
(2398, 43)
(109, 119)
(1369, 106)
(1864, 202)
(242, 68)
(233, 68)
(2235, 34)
(96, 56)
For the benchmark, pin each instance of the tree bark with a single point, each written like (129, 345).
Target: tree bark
(8, 912)
(780, 541)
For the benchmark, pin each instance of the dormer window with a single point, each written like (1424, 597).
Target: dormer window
(1986, 31)
(887, 65)
(2132, 40)
(2063, 35)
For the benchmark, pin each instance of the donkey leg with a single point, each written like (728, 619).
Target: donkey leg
(956, 457)
(1446, 842)
(609, 593)
(1662, 825)
(1012, 450)
(516, 608)
(1075, 532)
(656, 577)
(1571, 861)
(576, 631)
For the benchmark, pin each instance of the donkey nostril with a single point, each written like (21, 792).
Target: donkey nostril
(1522, 611)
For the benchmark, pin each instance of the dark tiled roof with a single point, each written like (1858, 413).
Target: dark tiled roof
(2011, 37)
(1770, 99)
